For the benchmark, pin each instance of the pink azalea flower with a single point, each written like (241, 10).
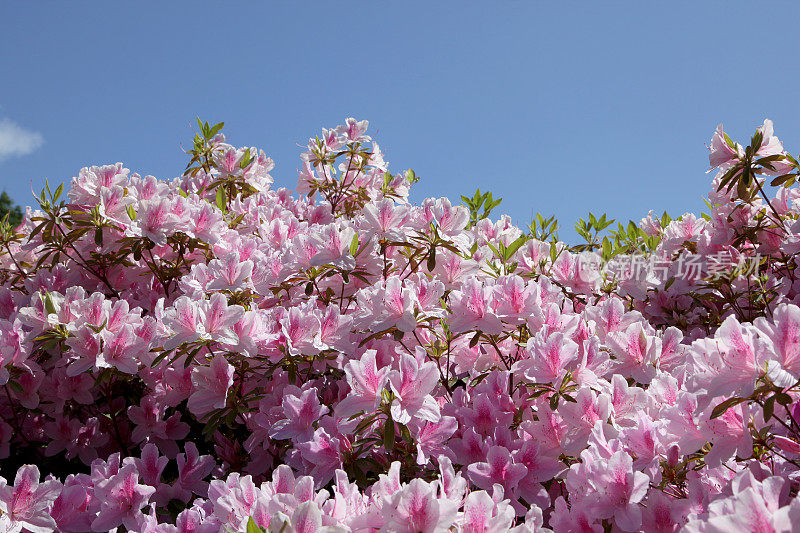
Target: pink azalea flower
(218, 317)
(155, 220)
(230, 273)
(754, 506)
(193, 468)
(354, 130)
(515, 300)
(388, 305)
(151, 465)
(366, 381)
(227, 158)
(385, 219)
(431, 437)
(333, 245)
(663, 514)
(301, 329)
(119, 350)
(783, 334)
(412, 385)
(324, 453)
(206, 222)
(549, 358)
(578, 519)
(211, 385)
(499, 468)
(771, 145)
(206, 320)
(484, 415)
(621, 489)
(471, 309)
(27, 504)
(121, 499)
(636, 351)
(483, 515)
(729, 434)
(416, 509)
(183, 318)
(301, 409)
(70, 510)
(722, 154)
(732, 363)
(451, 269)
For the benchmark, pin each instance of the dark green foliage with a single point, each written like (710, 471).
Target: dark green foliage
(8, 207)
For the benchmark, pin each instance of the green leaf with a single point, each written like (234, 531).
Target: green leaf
(476, 380)
(474, 341)
(16, 387)
(747, 174)
(48, 303)
(724, 406)
(222, 201)
(554, 402)
(729, 141)
(235, 222)
(131, 212)
(742, 189)
(783, 399)
(769, 408)
(514, 246)
(160, 357)
(252, 527)
(431, 263)
(755, 142)
(728, 176)
(606, 248)
(354, 245)
(191, 357)
(769, 159)
(215, 129)
(780, 180)
(388, 435)
(246, 159)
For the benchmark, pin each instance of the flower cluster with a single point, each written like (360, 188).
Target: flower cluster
(211, 353)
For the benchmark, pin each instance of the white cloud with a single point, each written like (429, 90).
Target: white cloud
(16, 141)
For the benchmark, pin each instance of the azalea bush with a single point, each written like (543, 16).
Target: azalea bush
(213, 353)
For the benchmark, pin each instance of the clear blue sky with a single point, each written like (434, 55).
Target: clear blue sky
(558, 107)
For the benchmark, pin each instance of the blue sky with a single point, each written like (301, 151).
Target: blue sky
(560, 107)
